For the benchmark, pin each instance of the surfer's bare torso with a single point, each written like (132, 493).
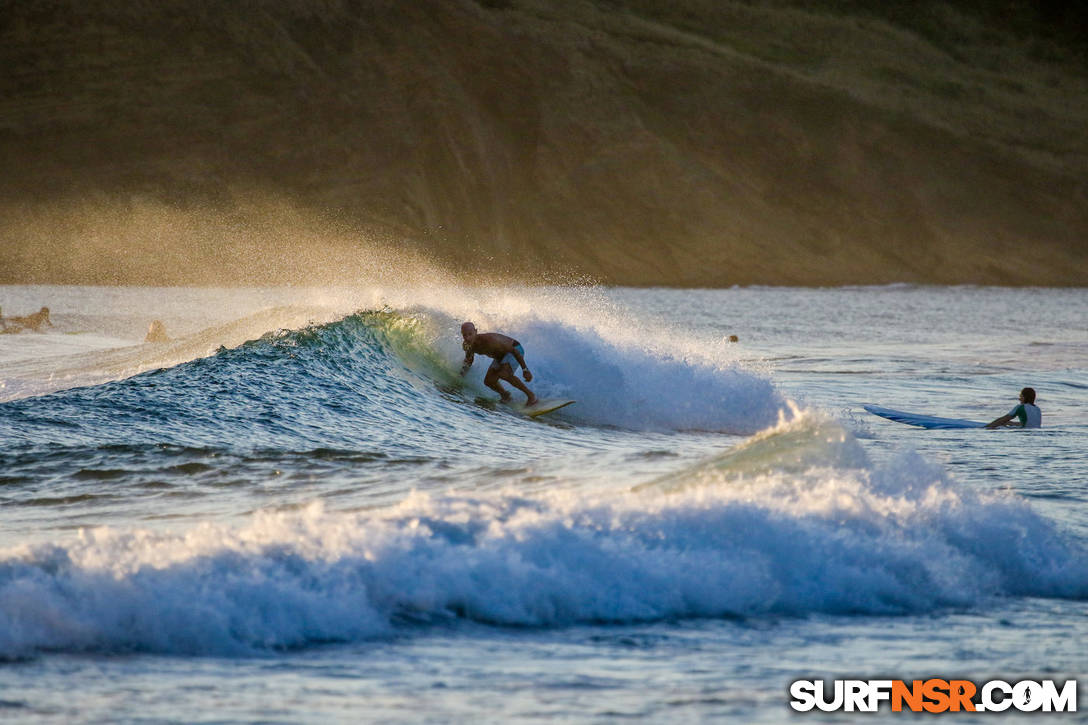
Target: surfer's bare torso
(490, 344)
(507, 354)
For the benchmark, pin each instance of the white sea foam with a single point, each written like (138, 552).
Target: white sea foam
(623, 376)
(744, 541)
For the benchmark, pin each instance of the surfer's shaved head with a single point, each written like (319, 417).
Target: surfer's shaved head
(468, 332)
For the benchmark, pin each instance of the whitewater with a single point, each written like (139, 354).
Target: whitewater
(296, 510)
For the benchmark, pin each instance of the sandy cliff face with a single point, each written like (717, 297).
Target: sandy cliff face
(692, 143)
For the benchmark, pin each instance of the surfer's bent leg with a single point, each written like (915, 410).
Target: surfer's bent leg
(507, 373)
(491, 380)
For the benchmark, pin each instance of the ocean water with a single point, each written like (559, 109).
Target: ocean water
(296, 511)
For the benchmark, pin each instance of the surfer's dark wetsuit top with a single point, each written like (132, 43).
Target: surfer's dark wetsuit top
(1030, 416)
(509, 358)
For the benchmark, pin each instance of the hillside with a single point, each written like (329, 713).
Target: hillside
(692, 143)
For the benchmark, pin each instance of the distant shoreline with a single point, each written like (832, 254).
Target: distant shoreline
(347, 286)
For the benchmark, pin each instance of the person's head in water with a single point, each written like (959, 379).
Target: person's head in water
(1027, 395)
(156, 332)
(39, 318)
(468, 332)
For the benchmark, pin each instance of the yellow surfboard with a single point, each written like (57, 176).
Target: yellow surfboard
(543, 407)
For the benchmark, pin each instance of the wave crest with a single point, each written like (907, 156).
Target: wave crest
(894, 539)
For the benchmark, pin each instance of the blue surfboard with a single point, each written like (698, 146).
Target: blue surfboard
(923, 421)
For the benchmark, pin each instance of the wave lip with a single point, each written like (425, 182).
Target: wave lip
(840, 538)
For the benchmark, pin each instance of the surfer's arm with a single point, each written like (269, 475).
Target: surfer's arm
(521, 361)
(1017, 412)
(469, 358)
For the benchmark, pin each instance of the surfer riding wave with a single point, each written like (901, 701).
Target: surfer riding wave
(506, 352)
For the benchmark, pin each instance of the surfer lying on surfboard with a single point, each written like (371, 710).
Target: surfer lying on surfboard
(506, 353)
(1029, 415)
